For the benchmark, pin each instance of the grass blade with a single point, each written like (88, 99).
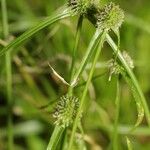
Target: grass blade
(8, 76)
(139, 105)
(55, 138)
(98, 50)
(115, 132)
(93, 44)
(65, 12)
(132, 76)
(78, 33)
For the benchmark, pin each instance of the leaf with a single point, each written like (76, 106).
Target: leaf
(62, 13)
(131, 76)
(139, 105)
(58, 76)
(115, 130)
(55, 138)
(116, 31)
(98, 44)
(91, 48)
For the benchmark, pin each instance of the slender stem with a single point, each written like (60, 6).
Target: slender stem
(64, 140)
(77, 39)
(98, 50)
(59, 130)
(4, 19)
(8, 76)
(10, 100)
(115, 132)
(91, 48)
(53, 143)
(132, 76)
(129, 145)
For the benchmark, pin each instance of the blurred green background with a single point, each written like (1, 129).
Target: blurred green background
(34, 86)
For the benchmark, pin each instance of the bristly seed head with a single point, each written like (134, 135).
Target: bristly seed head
(128, 59)
(114, 68)
(110, 17)
(79, 6)
(66, 111)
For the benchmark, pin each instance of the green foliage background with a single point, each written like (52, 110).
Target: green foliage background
(34, 86)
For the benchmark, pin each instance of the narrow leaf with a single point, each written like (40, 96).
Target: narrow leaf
(91, 48)
(58, 76)
(62, 13)
(117, 103)
(132, 77)
(53, 143)
(139, 105)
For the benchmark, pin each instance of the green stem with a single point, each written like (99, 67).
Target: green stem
(9, 99)
(93, 44)
(129, 145)
(98, 50)
(115, 132)
(77, 39)
(58, 130)
(53, 143)
(4, 19)
(132, 76)
(65, 12)
(8, 76)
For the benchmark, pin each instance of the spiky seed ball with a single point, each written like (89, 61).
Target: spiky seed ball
(110, 17)
(79, 6)
(73, 4)
(66, 110)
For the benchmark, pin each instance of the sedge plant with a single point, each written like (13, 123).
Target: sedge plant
(70, 108)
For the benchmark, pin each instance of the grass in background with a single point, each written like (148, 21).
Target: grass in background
(34, 87)
(8, 77)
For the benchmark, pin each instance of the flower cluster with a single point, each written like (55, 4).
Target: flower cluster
(116, 68)
(66, 110)
(79, 6)
(110, 17)
(128, 59)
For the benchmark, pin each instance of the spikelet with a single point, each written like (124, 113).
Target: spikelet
(128, 59)
(110, 17)
(79, 6)
(66, 110)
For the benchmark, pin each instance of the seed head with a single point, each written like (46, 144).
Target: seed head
(79, 6)
(66, 110)
(128, 59)
(114, 69)
(110, 17)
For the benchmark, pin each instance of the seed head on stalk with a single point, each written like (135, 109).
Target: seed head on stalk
(78, 6)
(66, 110)
(111, 16)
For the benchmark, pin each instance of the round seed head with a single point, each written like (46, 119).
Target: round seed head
(79, 6)
(115, 68)
(110, 17)
(66, 110)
